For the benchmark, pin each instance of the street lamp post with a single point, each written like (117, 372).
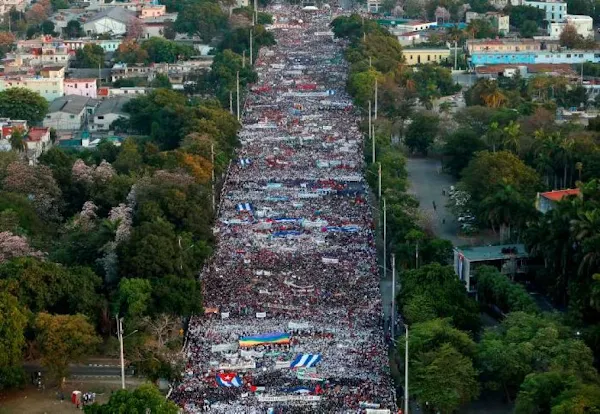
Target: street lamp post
(406, 404)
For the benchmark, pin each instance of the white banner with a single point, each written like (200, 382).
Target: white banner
(224, 315)
(251, 354)
(299, 325)
(378, 411)
(224, 347)
(328, 260)
(261, 314)
(282, 364)
(281, 398)
(238, 366)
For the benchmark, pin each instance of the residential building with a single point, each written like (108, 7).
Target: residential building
(373, 6)
(125, 71)
(411, 26)
(152, 10)
(415, 56)
(499, 21)
(548, 200)
(53, 72)
(411, 38)
(7, 5)
(105, 92)
(112, 21)
(109, 45)
(502, 45)
(108, 111)
(556, 11)
(133, 5)
(70, 112)
(583, 24)
(37, 141)
(509, 259)
(7, 125)
(49, 88)
(82, 87)
(155, 26)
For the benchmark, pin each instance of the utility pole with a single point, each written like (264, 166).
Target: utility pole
(120, 335)
(250, 47)
(384, 240)
(373, 144)
(370, 136)
(243, 58)
(455, 54)
(370, 61)
(256, 11)
(376, 99)
(237, 86)
(231, 102)
(379, 175)
(393, 296)
(406, 404)
(212, 160)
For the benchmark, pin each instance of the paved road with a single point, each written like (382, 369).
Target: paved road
(83, 370)
(426, 185)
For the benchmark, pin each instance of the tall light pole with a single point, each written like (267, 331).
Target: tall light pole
(384, 240)
(250, 47)
(237, 87)
(379, 175)
(120, 335)
(370, 120)
(406, 404)
(393, 296)
(376, 98)
(212, 160)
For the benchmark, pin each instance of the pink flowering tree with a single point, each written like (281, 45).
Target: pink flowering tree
(12, 246)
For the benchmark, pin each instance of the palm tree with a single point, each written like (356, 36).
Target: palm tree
(511, 139)
(491, 94)
(579, 168)
(17, 140)
(504, 209)
(492, 135)
(586, 231)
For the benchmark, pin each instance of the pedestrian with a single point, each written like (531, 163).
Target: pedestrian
(434, 206)
(443, 191)
(443, 221)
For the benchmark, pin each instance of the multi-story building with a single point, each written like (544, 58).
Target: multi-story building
(556, 11)
(152, 10)
(502, 45)
(109, 45)
(48, 88)
(82, 87)
(415, 56)
(499, 21)
(70, 113)
(533, 57)
(373, 6)
(7, 5)
(114, 21)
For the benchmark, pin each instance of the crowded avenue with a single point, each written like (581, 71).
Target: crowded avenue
(293, 318)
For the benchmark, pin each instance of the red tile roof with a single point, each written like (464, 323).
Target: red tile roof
(37, 133)
(558, 195)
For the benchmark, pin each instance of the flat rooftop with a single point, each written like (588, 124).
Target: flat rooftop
(485, 253)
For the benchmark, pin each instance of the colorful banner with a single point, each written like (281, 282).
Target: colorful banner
(268, 338)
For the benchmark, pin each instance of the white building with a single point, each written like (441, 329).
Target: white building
(108, 112)
(6, 5)
(556, 11)
(373, 6)
(113, 21)
(583, 24)
(69, 113)
(48, 88)
(411, 26)
(82, 87)
(37, 141)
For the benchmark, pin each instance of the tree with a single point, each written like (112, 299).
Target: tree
(445, 292)
(163, 50)
(460, 147)
(442, 372)
(145, 398)
(7, 42)
(74, 29)
(496, 289)
(22, 103)
(521, 14)
(17, 140)
(569, 37)
(90, 56)
(62, 340)
(47, 27)
(529, 28)
(421, 132)
(130, 51)
(204, 19)
(13, 320)
(488, 172)
(134, 298)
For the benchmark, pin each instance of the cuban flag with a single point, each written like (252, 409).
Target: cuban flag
(229, 379)
(244, 162)
(305, 360)
(244, 207)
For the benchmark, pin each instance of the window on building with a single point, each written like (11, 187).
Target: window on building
(428, 58)
(568, 55)
(72, 116)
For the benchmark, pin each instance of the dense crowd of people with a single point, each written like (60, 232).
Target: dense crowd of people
(293, 315)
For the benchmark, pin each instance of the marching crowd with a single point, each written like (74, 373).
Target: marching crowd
(293, 315)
